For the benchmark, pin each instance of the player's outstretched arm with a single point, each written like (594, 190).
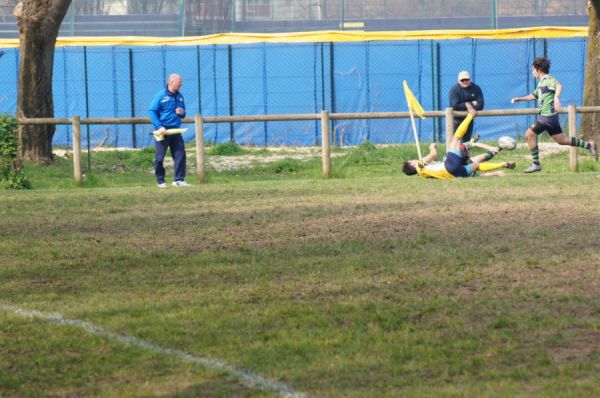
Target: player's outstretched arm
(486, 147)
(529, 97)
(558, 87)
(432, 155)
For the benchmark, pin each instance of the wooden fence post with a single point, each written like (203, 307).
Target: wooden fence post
(449, 126)
(572, 112)
(325, 150)
(325, 118)
(76, 123)
(200, 165)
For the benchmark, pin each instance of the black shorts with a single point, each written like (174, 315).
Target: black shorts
(551, 124)
(455, 166)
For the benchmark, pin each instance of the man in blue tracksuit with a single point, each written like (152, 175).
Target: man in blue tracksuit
(166, 111)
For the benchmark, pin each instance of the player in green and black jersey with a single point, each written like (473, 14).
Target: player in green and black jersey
(547, 94)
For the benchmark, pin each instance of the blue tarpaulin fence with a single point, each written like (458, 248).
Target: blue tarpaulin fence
(287, 78)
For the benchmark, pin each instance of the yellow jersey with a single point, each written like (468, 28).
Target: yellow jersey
(434, 170)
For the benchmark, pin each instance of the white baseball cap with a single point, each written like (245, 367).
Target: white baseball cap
(463, 75)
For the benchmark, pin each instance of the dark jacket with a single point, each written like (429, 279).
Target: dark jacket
(458, 96)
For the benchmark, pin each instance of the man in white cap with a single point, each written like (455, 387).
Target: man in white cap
(462, 92)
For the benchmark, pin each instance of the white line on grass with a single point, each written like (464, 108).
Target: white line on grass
(247, 378)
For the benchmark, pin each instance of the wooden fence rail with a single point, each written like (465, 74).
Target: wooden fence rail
(324, 117)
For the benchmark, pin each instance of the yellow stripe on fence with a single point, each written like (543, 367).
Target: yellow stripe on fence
(318, 36)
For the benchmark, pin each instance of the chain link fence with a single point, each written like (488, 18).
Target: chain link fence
(220, 80)
(120, 81)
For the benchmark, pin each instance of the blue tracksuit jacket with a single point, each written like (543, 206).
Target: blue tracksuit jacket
(162, 109)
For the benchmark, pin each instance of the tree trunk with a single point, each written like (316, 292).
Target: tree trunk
(39, 22)
(590, 122)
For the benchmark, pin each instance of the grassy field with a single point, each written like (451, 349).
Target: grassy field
(370, 284)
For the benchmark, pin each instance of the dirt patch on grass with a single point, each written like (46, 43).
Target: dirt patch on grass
(222, 163)
(578, 344)
(270, 155)
(490, 233)
(233, 162)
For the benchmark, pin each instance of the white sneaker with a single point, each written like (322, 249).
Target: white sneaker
(533, 168)
(181, 184)
(594, 149)
(162, 185)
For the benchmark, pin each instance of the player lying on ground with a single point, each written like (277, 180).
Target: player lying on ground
(455, 165)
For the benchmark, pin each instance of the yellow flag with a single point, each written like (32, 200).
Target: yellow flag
(412, 102)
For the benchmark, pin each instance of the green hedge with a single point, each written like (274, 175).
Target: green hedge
(11, 173)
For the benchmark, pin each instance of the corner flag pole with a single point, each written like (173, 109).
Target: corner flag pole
(414, 106)
(414, 127)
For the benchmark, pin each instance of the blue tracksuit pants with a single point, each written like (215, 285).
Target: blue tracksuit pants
(175, 144)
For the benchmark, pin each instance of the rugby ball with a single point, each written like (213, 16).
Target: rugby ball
(506, 142)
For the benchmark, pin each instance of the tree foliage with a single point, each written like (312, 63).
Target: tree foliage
(10, 166)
